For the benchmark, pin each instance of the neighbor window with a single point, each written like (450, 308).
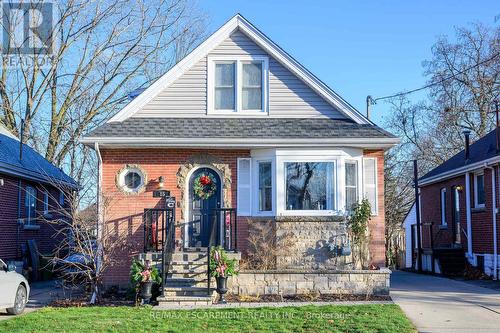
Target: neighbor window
(237, 84)
(479, 195)
(309, 185)
(370, 182)
(61, 198)
(252, 86)
(30, 203)
(45, 202)
(351, 184)
(265, 187)
(443, 206)
(224, 86)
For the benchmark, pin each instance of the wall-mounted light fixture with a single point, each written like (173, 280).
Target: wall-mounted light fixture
(1, 182)
(161, 181)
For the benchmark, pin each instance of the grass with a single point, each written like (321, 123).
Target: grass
(330, 318)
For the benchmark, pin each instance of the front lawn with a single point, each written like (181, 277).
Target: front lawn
(334, 318)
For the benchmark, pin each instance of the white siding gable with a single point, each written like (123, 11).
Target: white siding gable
(289, 96)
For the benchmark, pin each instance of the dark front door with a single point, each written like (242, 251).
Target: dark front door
(204, 196)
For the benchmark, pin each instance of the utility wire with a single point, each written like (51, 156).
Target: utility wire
(374, 100)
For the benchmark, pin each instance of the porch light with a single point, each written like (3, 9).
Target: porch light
(161, 181)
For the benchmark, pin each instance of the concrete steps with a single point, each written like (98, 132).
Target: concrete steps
(186, 282)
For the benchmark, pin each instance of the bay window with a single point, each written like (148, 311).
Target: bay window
(309, 185)
(351, 184)
(265, 187)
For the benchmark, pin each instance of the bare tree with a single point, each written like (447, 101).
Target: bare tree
(464, 78)
(103, 49)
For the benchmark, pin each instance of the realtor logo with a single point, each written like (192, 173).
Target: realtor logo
(27, 31)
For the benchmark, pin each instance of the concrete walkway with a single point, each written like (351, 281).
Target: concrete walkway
(436, 304)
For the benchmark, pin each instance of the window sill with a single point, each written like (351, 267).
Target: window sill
(442, 227)
(31, 227)
(478, 209)
(310, 218)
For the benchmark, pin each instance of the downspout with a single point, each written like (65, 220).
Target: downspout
(494, 213)
(18, 225)
(468, 217)
(99, 218)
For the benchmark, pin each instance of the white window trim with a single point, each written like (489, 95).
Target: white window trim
(476, 174)
(442, 194)
(240, 185)
(238, 60)
(255, 192)
(334, 188)
(374, 210)
(359, 180)
(45, 202)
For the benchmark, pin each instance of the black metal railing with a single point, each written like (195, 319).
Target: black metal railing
(159, 235)
(223, 233)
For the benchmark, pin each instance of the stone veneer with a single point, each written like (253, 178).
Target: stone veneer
(296, 282)
(312, 236)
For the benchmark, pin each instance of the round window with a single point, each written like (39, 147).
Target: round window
(131, 179)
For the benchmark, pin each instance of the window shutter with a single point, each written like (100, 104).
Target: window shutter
(370, 182)
(244, 188)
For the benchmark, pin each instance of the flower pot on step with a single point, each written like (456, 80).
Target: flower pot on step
(146, 291)
(221, 288)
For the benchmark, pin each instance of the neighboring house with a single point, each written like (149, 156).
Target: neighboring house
(31, 194)
(271, 140)
(459, 201)
(410, 227)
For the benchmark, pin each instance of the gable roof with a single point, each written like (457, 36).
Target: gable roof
(241, 132)
(239, 22)
(480, 152)
(32, 166)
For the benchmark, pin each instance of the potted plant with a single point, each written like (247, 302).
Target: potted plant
(144, 276)
(221, 267)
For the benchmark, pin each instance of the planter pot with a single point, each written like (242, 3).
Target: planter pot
(146, 291)
(221, 288)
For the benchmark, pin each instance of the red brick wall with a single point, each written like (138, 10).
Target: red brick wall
(481, 219)
(377, 223)
(45, 237)
(124, 211)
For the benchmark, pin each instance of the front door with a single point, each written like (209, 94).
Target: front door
(204, 196)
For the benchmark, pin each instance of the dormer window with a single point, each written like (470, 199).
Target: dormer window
(237, 85)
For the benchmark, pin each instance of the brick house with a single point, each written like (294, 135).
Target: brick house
(272, 141)
(459, 213)
(31, 194)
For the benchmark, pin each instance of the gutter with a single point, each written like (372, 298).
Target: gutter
(373, 142)
(459, 171)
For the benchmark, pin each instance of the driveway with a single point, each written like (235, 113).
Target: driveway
(436, 304)
(41, 294)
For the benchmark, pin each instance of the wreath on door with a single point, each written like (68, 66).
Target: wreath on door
(204, 186)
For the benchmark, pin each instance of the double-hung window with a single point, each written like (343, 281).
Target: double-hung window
(237, 84)
(225, 84)
(45, 203)
(443, 207)
(351, 184)
(265, 186)
(30, 204)
(309, 186)
(479, 194)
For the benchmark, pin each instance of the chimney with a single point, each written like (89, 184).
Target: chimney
(467, 143)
